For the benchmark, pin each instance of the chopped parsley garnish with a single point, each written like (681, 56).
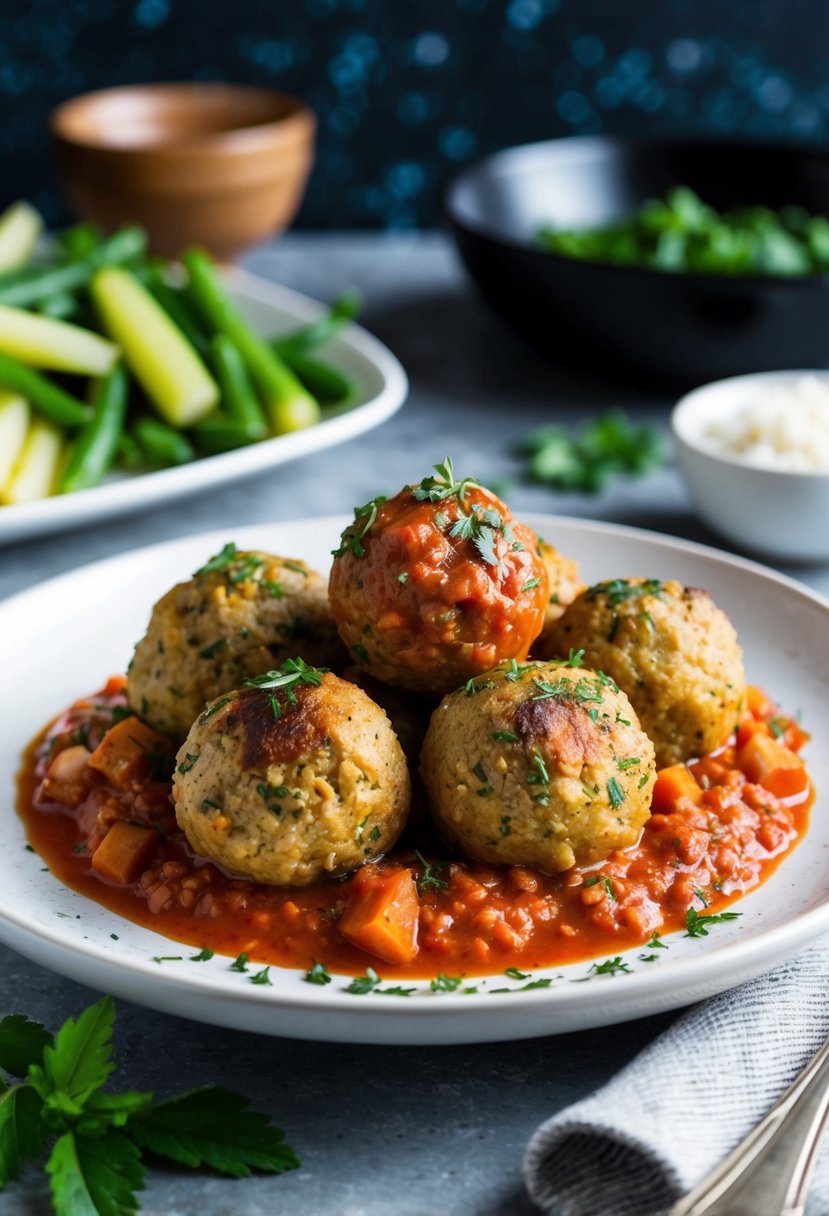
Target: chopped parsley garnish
(611, 966)
(777, 726)
(643, 781)
(274, 589)
(187, 763)
(623, 764)
(241, 963)
(539, 774)
(362, 984)
(220, 561)
(618, 590)
(446, 983)
(215, 707)
(168, 958)
(360, 651)
(293, 672)
(445, 485)
(317, 973)
(505, 736)
(352, 538)
(584, 692)
(203, 956)
(656, 943)
(513, 973)
(261, 977)
(430, 878)
(544, 983)
(505, 828)
(696, 925)
(402, 577)
(530, 584)
(615, 793)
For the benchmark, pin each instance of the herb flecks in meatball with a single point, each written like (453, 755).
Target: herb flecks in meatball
(241, 613)
(437, 584)
(671, 649)
(539, 764)
(293, 777)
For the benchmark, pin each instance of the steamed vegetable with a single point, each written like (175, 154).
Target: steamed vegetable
(288, 405)
(35, 473)
(93, 452)
(14, 426)
(159, 356)
(20, 227)
(43, 342)
(131, 337)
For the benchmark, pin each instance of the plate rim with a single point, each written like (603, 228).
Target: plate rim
(715, 964)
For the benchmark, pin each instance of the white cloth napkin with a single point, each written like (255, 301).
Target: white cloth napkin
(664, 1122)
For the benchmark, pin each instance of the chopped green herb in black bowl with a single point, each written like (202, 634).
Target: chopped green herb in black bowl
(687, 261)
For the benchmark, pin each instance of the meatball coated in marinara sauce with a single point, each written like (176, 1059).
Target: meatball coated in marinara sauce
(539, 764)
(243, 612)
(437, 584)
(671, 649)
(297, 776)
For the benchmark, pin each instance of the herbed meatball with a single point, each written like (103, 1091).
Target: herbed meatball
(671, 649)
(294, 778)
(241, 613)
(540, 764)
(437, 584)
(564, 586)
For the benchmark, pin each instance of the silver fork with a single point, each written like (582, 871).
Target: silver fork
(768, 1173)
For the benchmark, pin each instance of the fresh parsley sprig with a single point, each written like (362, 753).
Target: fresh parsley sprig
(696, 923)
(445, 485)
(585, 460)
(285, 678)
(352, 538)
(95, 1138)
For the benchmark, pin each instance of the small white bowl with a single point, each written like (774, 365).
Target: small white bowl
(780, 514)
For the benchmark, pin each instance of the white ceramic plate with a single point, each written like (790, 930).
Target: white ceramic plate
(63, 638)
(271, 310)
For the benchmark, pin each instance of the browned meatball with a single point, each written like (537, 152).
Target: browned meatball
(437, 584)
(242, 613)
(295, 778)
(538, 764)
(671, 649)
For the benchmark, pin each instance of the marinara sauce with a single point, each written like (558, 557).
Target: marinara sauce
(719, 827)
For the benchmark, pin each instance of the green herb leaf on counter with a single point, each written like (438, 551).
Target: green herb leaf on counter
(95, 1166)
(585, 459)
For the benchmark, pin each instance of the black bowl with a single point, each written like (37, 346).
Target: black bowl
(677, 327)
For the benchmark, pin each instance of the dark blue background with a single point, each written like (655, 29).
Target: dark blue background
(405, 91)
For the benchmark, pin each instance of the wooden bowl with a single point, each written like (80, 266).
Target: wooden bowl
(218, 165)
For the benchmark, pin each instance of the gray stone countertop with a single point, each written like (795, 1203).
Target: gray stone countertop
(410, 1131)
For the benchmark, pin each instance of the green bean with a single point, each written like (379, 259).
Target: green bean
(95, 447)
(237, 391)
(175, 304)
(329, 386)
(44, 396)
(60, 305)
(221, 433)
(343, 310)
(80, 240)
(161, 444)
(46, 281)
(287, 404)
(130, 455)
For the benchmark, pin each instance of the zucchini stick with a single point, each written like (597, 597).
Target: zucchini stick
(20, 227)
(95, 448)
(57, 345)
(35, 473)
(157, 352)
(14, 426)
(44, 396)
(287, 404)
